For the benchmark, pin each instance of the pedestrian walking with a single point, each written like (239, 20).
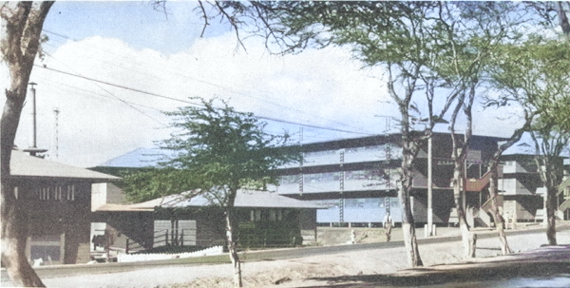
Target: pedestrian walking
(388, 223)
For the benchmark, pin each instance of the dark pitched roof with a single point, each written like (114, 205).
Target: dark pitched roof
(24, 165)
(244, 199)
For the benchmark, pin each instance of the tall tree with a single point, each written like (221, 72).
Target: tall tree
(550, 142)
(21, 24)
(475, 30)
(220, 151)
(536, 76)
(413, 41)
(494, 181)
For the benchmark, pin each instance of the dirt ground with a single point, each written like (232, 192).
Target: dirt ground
(307, 271)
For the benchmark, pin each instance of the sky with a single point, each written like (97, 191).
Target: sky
(111, 69)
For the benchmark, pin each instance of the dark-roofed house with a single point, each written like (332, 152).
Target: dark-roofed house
(57, 200)
(264, 219)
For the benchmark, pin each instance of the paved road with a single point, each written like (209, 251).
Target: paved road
(541, 267)
(47, 272)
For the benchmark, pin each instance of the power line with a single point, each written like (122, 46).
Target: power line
(154, 108)
(214, 85)
(107, 91)
(187, 102)
(59, 35)
(118, 85)
(92, 93)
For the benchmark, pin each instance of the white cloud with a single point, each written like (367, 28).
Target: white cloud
(98, 122)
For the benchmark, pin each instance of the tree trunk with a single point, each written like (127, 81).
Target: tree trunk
(459, 156)
(21, 24)
(13, 224)
(563, 19)
(231, 241)
(410, 241)
(14, 234)
(408, 227)
(497, 217)
(550, 215)
(493, 184)
(459, 195)
(550, 179)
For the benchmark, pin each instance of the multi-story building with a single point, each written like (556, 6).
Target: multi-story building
(521, 188)
(358, 178)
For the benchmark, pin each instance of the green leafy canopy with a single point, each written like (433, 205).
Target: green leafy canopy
(218, 151)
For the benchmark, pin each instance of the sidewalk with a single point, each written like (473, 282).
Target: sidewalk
(542, 267)
(339, 236)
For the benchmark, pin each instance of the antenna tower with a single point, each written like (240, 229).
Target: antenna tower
(56, 113)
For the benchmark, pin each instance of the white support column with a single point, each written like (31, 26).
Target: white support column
(430, 189)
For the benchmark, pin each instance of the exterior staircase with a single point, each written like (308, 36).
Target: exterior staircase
(565, 205)
(563, 210)
(476, 185)
(482, 217)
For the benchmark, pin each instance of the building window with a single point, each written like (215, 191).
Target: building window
(289, 179)
(57, 192)
(60, 192)
(272, 215)
(44, 193)
(255, 215)
(46, 247)
(71, 192)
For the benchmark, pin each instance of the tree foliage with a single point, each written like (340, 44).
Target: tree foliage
(152, 183)
(552, 13)
(218, 151)
(222, 148)
(549, 145)
(410, 39)
(536, 76)
(213, 148)
(471, 32)
(429, 50)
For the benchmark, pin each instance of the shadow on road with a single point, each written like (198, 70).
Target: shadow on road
(452, 275)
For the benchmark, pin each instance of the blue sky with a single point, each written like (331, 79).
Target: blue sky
(135, 22)
(159, 61)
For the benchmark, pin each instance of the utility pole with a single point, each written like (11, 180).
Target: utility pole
(430, 229)
(430, 187)
(341, 186)
(34, 150)
(302, 156)
(32, 84)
